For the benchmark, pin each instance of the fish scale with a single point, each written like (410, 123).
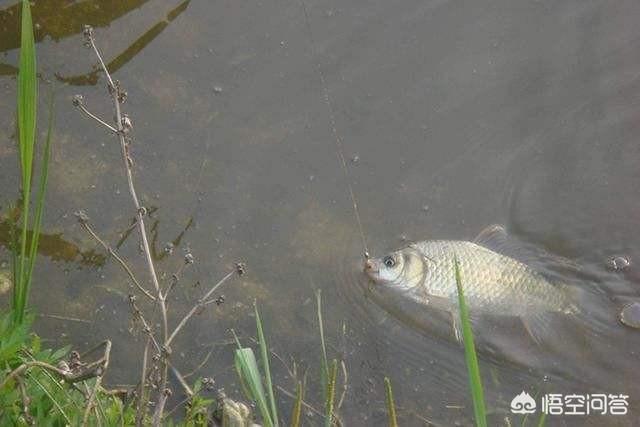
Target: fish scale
(492, 281)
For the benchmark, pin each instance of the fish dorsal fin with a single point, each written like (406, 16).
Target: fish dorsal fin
(496, 238)
(494, 234)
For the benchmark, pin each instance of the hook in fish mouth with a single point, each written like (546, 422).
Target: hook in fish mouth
(371, 268)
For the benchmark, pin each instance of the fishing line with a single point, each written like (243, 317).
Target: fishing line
(334, 130)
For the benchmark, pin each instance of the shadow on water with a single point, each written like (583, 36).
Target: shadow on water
(56, 20)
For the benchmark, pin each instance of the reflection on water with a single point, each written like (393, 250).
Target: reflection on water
(55, 247)
(486, 112)
(130, 52)
(56, 19)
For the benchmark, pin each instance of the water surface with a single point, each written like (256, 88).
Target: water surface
(460, 115)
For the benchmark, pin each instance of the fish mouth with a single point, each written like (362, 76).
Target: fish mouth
(371, 269)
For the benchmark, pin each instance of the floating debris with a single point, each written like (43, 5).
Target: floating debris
(168, 248)
(241, 268)
(618, 262)
(188, 258)
(630, 315)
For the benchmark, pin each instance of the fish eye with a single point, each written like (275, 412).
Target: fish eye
(389, 261)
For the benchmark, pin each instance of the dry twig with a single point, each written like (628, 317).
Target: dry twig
(83, 219)
(100, 370)
(162, 346)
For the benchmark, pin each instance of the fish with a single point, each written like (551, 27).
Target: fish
(494, 283)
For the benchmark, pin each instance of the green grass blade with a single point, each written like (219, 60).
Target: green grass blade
(51, 397)
(475, 382)
(542, 420)
(247, 367)
(14, 264)
(296, 412)
(391, 406)
(330, 394)
(325, 364)
(264, 355)
(40, 196)
(27, 99)
(27, 93)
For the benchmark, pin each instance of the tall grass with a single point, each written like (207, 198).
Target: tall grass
(252, 380)
(330, 394)
(329, 371)
(475, 382)
(258, 386)
(26, 247)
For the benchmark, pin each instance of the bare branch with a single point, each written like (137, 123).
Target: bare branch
(75, 371)
(25, 366)
(155, 371)
(26, 401)
(141, 407)
(137, 314)
(78, 101)
(123, 126)
(83, 219)
(118, 96)
(195, 308)
(157, 415)
(104, 362)
(181, 380)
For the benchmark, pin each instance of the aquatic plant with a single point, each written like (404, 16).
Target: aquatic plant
(471, 359)
(25, 246)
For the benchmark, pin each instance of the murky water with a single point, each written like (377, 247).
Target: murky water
(459, 114)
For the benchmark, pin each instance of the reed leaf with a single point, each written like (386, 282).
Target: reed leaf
(264, 355)
(247, 368)
(391, 406)
(325, 364)
(27, 100)
(40, 196)
(296, 412)
(475, 382)
(330, 394)
(27, 95)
